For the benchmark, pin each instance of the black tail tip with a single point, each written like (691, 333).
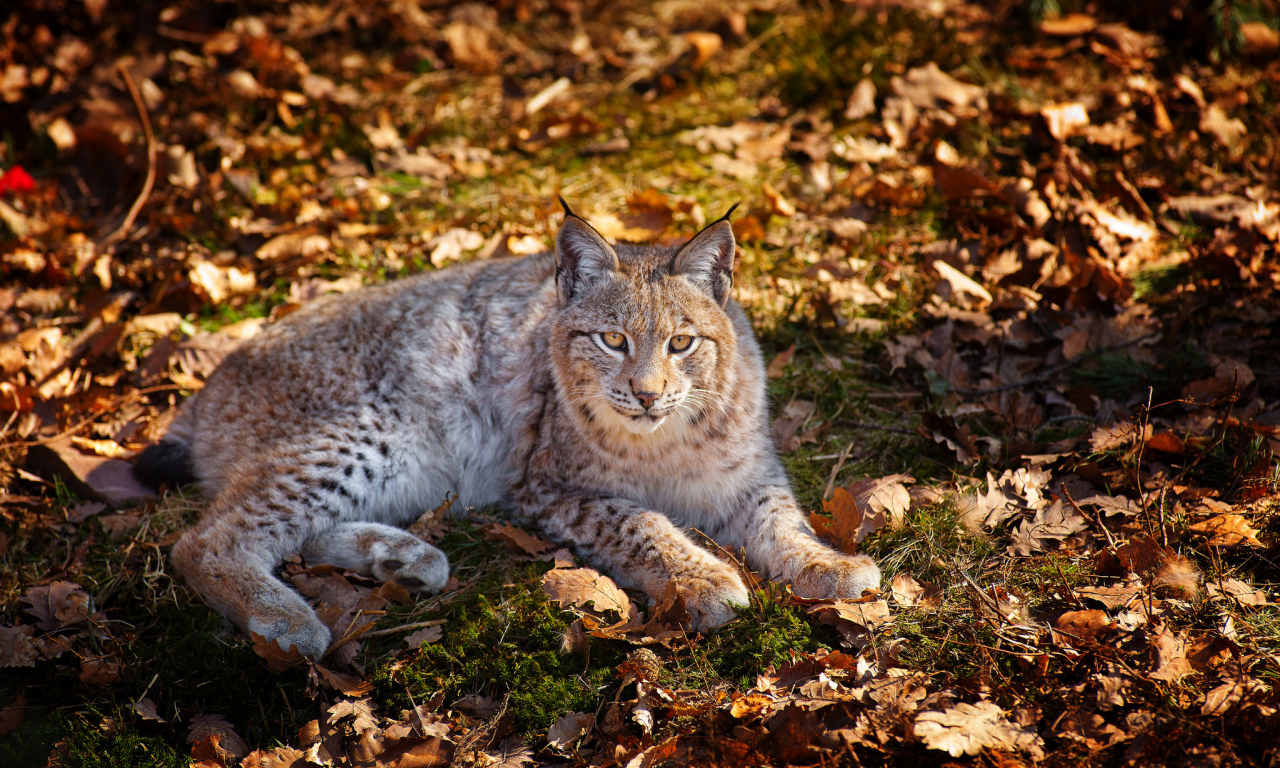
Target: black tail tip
(165, 462)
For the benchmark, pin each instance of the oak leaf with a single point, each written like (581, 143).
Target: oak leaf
(967, 729)
(58, 605)
(212, 724)
(575, 587)
(520, 544)
(1226, 531)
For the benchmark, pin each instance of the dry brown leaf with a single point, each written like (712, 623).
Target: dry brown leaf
(568, 729)
(13, 715)
(1230, 531)
(1082, 629)
(575, 587)
(278, 659)
(908, 592)
(1237, 591)
(1169, 652)
(779, 362)
(279, 757)
(851, 521)
(146, 709)
(16, 648)
(1064, 120)
(520, 544)
(205, 725)
(967, 729)
(58, 605)
(425, 635)
(1091, 729)
(1071, 25)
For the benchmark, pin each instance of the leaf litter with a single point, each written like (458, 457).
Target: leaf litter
(1079, 213)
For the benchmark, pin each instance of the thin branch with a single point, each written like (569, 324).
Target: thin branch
(403, 628)
(1055, 370)
(150, 181)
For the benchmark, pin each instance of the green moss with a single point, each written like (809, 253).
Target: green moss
(506, 639)
(78, 741)
(766, 633)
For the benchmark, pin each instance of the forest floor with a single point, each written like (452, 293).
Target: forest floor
(1015, 277)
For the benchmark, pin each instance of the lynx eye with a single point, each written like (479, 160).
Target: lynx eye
(614, 340)
(680, 343)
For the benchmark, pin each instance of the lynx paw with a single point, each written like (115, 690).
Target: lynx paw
(714, 600)
(420, 567)
(840, 576)
(311, 636)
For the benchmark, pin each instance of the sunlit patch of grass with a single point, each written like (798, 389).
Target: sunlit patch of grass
(930, 544)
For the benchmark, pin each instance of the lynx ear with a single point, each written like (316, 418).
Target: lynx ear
(582, 256)
(707, 259)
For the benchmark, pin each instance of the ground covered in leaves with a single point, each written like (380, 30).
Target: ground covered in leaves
(1014, 267)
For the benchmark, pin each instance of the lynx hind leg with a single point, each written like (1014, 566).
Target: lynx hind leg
(233, 571)
(388, 553)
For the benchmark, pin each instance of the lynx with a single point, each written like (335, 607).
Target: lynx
(613, 397)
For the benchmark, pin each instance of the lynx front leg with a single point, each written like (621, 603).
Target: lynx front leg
(388, 553)
(642, 548)
(783, 546)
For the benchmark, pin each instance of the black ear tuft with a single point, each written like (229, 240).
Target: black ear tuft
(707, 259)
(582, 256)
(568, 212)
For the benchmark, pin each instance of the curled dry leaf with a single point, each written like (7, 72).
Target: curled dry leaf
(205, 725)
(967, 729)
(569, 729)
(1237, 591)
(1229, 531)
(908, 592)
(576, 587)
(58, 605)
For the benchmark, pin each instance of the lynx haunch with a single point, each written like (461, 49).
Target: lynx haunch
(612, 397)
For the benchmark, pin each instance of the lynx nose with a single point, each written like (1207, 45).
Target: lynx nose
(647, 399)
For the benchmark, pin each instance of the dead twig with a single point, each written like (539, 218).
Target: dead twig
(1051, 372)
(403, 628)
(150, 180)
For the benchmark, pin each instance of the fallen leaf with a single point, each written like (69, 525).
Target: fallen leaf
(1229, 531)
(1052, 523)
(1169, 652)
(425, 635)
(16, 648)
(13, 714)
(568, 729)
(146, 709)
(575, 587)
(209, 724)
(779, 362)
(279, 757)
(1082, 629)
(1237, 591)
(967, 729)
(278, 659)
(851, 521)
(908, 592)
(520, 544)
(57, 605)
(1091, 729)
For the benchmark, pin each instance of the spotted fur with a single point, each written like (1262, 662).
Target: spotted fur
(494, 381)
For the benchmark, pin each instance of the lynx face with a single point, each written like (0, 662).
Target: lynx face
(643, 345)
